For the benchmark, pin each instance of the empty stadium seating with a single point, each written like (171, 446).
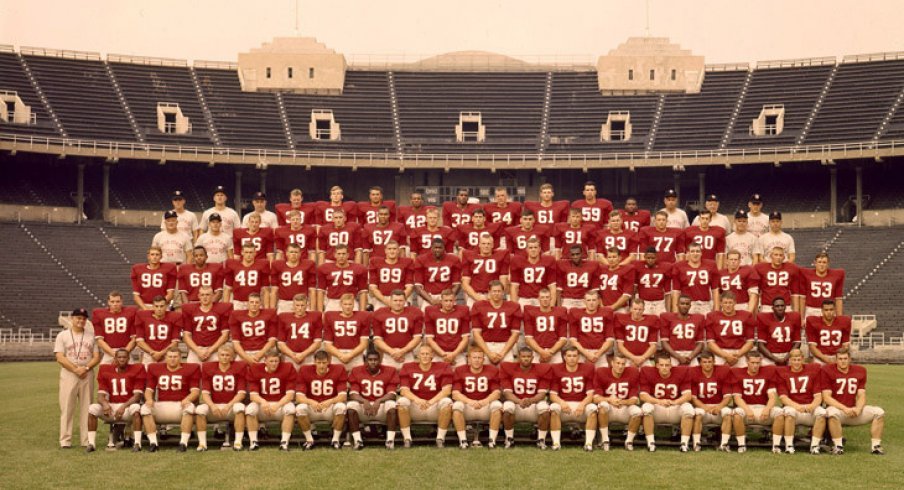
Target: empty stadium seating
(14, 79)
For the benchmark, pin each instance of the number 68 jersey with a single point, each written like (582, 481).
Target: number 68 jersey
(173, 386)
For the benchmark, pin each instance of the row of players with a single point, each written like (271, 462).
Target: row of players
(426, 391)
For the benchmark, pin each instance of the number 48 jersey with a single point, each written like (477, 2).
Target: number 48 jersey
(373, 386)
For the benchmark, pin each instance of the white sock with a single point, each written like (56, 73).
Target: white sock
(509, 433)
(814, 442)
(541, 434)
(725, 439)
(440, 433)
(789, 441)
(588, 437)
(390, 435)
(252, 436)
(406, 433)
(462, 436)
(239, 437)
(494, 434)
(876, 442)
(285, 437)
(685, 439)
(336, 435)
(137, 436)
(696, 438)
(629, 437)
(651, 439)
(92, 437)
(308, 436)
(604, 434)
(152, 438)
(838, 442)
(356, 436)
(556, 437)
(184, 437)
(776, 440)
(202, 438)
(742, 440)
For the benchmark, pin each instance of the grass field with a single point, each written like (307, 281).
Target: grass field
(29, 417)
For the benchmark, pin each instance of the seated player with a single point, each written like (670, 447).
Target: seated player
(778, 333)
(253, 331)
(755, 402)
(844, 393)
(698, 279)
(653, 280)
(575, 277)
(531, 273)
(157, 330)
(346, 332)
(616, 282)
(397, 330)
(388, 273)
(480, 269)
(636, 334)
(341, 277)
(199, 273)
(681, 333)
(299, 333)
(170, 393)
(223, 390)
(476, 398)
(294, 275)
(801, 397)
(571, 398)
(592, 330)
(205, 326)
(666, 396)
(215, 241)
(435, 272)
(496, 324)
(525, 385)
(114, 327)
(828, 333)
(447, 329)
(616, 389)
(546, 328)
(119, 389)
(245, 276)
(271, 389)
(424, 389)
(320, 396)
(153, 279)
(820, 283)
(730, 333)
(372, 398)
(712, 388)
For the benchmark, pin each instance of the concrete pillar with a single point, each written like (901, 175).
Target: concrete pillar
(264, 181)
(677, 185)
(701, 182)
(860, 214)
(80, 193)
(237, 201)
(105, 189)
(833, 194)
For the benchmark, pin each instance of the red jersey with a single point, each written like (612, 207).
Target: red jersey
(325, 211)
(730, 332)
(626, 242)
(454, 216)
(205, 327)
(223, 386)
(829, 338)
(524, 384)
(299, 332)
(367, 212)
(496, 324)
(711, 240)
(425, 384)
(682, 334)
(637, 335)
(305, 237)
(635, 221)
(591, 330)
(571, 386)
(120, 386)
(565, 236)
(801, 386)
(476, 386)
(375, 237)
(529, 277)
(781, 282)
(596, 213)
(741, 282)
(372, 387)
(321, 387)
(158, 334)
(713, 389)
(546, 327)
(329, 236)
(246, 279)
(336, 281)
(414, 218)
(556, 212)
(346, 332)
(668, 243)
(468, 238)
(271, 386)
(510, 214)
(173, 386)
(117, 329)
(397, 329)
(669, 388)
(447, 327)
(622, 387)
(482, 270)
(754, 388)
(389, 277)
(153, 282)
(437, 275)
(818, 289)
(844, 386)
(421, 239)
(696, 282)
(652, 282)
(191, 279)
(253, 332)
(290, 280)
(262, 241)
(613, 284)
(575, 280)
(516, 238)
(307, 212)
(778, 335)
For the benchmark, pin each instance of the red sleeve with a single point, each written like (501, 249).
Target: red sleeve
(679, 243)
(321, 278)
(194, 381)
(794, 283)
(171, 278)
(517, 317)
(710, 327)
(812, 332)
(151, 380)
(494, 381)
(505, 264)
(505, 379)
(645, 385)
(103, 381)
(235, 330)
(342, 380)
(447, 377)
(418, 323)
(476, 318)
(457, 382)
(762, 331)
(633, 384)
(272, 326)
(136, 286)
(750, 328)
(628, 283)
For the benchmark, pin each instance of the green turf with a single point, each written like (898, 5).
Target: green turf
(29, 457)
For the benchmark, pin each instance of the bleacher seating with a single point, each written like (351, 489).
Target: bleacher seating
(13, 78)
(881, 293)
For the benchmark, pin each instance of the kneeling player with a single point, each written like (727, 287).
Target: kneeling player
(798, 389)
(844, 392)
(755, 397)
(169, 397)
(372, 397)
(571, 394)
(271, 387)
(425, 389)
(666, 394)
(320, 397)
(711, 387)
(524, 388)
(119, 389)
(223, 386)
(476, 398)
(616, 397)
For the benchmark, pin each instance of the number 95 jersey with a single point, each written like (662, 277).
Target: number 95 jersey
(173, 386)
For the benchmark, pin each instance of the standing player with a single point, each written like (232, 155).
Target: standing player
(375, 236)
(153, 279)
(223, 390)
(75, 352)
(325, 210)
(261, 238)
(717, 218)
(546, 211)
(778, 334)
(696, 278)
(435, 272)
(501, 210)
(205, 326)
(668, 242)
(421, 239)
(546, 327)
(712, 388)
(447, 329)
(372, 398)
(495, 324)
(339, 232)
(346, 332)
(710, 238)
(291, 276)
(114, 327)
(682, 332)
(367, 211)
(758, 221)
(229, 217)
(175, 244)
(303, 235)
(616, 389)
(742, 280)
(268, 218)
(594, 210)
(775, 237)
(170, 394)
(571, 396)
(742, 240)
(424, 389)
(300, 332)
(573, 232)
(307, 211)
(614, 235)
(531, 273)
(730, 333)
(336, 279)
(828, 333)
(634, 218)
(271, 389)
(458, 212)
(244, 277)
(653, 281)
(415, 215)
(475, 395)
(616, 281)
(666, 396)
(320, 396)
(636, 334)
(844, 393)
(157, 330)
(467, 235)
(516, 237)
(188, 222)
(755, 399)
(253, 331)
(799, 391)
(591, 330)
(397, 330)
(386, 274)
(778, 279)
(677, 218)
(524, 387)
(479, 269)
(119, 389)
(200, 273)
(575, 277)
(819, 284)
(217, 243)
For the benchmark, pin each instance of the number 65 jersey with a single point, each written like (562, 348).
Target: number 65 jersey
(521, 383)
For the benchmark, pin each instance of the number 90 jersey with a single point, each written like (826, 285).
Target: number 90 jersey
(521, 383)
(322, 387)
(425, 384)
(173, 386)
(572, 386)
(223, 386)
(373, 386)
(476, 386)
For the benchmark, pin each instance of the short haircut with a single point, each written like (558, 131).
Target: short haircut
(753, 354)
(663, 214)
(705, 212)
(524, 348)
(694, 245)
(589, 183)
(706, 355)
(271, 353)
(527, 213)
(249, 245)
(495, 283)
(300, 297)
(114, 294)
(158, 299)
(660, 355)
(821, 255)
(729, 295)
(546, 186)
(321, 355)
(174, 348)
(339, 247)
(397, 292)
(296, 192)
(376, 188)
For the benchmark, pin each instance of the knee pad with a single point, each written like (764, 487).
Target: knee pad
(458, 406)
(776, 412)
(132, 410)
(445, 402)
(739, 412)
(508, 407)
(355, 406)
(252, 409)
(389, 404)
(339, 408)
(542, 407)
(819, 412)
(96, 410)
(725, 412)
(647, 408)
(591, 408)
(188, 409)
(634, 411)
(495, 405)
(789, 412)
(604, 407)
(404, 403)
(878, 413)
(699, 412)
(301, 410)
(238, 408)
(202, 410)
(145, 410)
(288, 409)
(555, 407)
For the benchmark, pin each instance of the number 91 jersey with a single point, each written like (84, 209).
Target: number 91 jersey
(173, 386)
(223, 386)
(322, 387)
(373, 386)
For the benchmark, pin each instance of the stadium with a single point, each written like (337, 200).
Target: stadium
(96, 147)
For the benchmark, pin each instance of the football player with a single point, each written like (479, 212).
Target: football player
(386, 274)
(467, 235)
(271, 389)
(546, 210)
(421, 239)
(594, 210)
(666, 396)
(778, 333)
(157, 330)
(516, 237)
(253, 331)
(524, 387)
(742, 280)
(119, 389)
(376, 236)
(255, 234)
(424, 392)
(591, 330)
(755, 402)
(372, 398)
(828, 333)
(447, 329)
(307, 211)
(844, 393)
(459, 211)
(303, 235)
(346, 332)
(320, 396)
(114, 327)
(290, 277)
(634, 218)
(340, 231)
(531, 273)
(682, 333)
(153, 279)
(730, 334)
(300, 332)
(696, 278)
(546, 328)
(436, 272)
(191, 277)
(571, 396)
(368, 211)
(475, 395)
(336, 279)
(415, 215)
(614, 235)
(326, 210)
(636, 334)
(778, 279)
(712, 388)
(573, 232)
(819, 284)
(495, 324)
(575, 277)
(397, 330)
(616, 282)
(799, 390)
(245, 276)
(501, 210)
(616, 389)
(710, 238)
(205, 326)
(170, 394)
(223, 390)
(479, 269)
(668, 242)
(653, 281)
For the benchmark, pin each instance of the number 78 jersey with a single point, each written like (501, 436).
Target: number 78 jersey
(425, 384)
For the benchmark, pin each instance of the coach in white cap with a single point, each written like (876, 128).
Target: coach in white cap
(77, 355)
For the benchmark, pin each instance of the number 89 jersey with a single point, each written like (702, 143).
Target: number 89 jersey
(322, 387)
(373, 386)
(223, 386)
(521, 383)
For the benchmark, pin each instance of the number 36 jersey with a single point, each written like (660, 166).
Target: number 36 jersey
(373, 386)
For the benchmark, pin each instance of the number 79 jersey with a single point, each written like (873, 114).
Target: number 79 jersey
(173, 386)
(425, 384)
(476, 386)
(571, 386)
(321, 387)
(120, 386)
(521, 383)
(373, 386)
(223, 386)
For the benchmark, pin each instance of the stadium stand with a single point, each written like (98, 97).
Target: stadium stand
(13, 78)
(880, 292)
